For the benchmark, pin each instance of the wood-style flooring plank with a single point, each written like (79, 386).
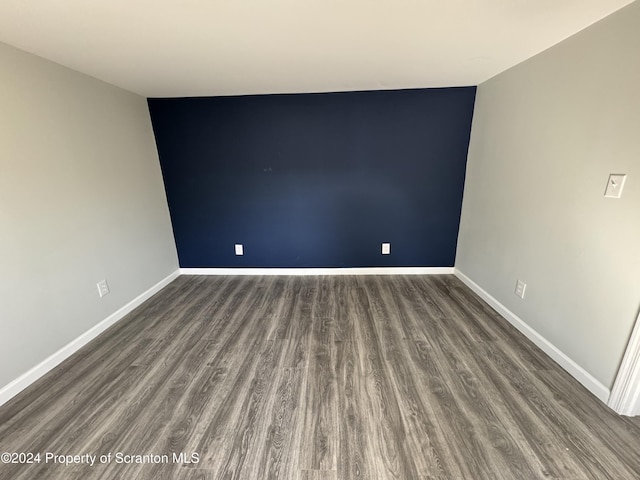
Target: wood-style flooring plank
(318, 475)
(318, 444)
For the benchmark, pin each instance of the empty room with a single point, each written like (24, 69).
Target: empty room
(320, 240)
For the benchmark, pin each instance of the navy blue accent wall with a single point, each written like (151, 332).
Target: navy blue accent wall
(315, 180)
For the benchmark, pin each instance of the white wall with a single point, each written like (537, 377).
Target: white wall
(546, 135)
(81, 199)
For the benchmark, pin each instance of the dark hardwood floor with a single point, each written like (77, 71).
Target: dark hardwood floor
(316, 378)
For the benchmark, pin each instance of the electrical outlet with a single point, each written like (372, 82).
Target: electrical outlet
(239, 249)
(520, 288)
(386, 249)
(614, 185)
(103, 288)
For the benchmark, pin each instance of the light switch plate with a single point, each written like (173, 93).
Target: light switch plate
(103, 288)
(386, 249)
(614, 185)
(239, 249)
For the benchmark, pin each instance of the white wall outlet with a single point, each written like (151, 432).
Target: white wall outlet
(103, 288)
(386, 249)
(614, 185)
(239, 249)
(520, 288)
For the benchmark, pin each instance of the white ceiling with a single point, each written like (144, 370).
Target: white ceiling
(165, 48)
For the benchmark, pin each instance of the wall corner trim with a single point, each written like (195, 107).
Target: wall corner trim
(625, 394)
(575, 370)
(23, 381)
(320, 271)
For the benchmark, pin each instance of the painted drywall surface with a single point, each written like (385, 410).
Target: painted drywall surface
(81, 199)
(318, 180)
(546, 135)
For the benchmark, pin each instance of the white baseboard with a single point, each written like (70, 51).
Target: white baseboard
(575, 370)
(23, 381)
(320, 271)
(625, 394)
